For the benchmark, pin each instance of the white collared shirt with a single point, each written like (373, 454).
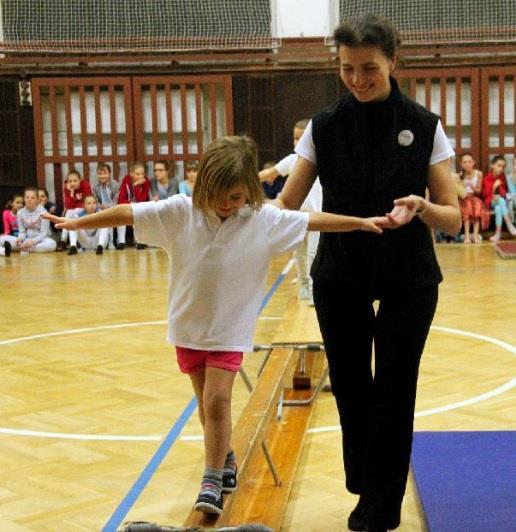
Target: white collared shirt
(218, 269)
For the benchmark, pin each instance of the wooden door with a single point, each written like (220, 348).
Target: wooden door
(454, 95)
(498, 87)
(79, 122)
(176, 117)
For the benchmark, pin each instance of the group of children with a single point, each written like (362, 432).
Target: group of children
(479, 195)
(25, 230)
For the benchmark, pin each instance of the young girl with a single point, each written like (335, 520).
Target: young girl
(75, 190)
(162, 184)
(89, 239)
(494, 190)
(220, 243)
(191, 170)
(135, 188)
(106, 192)
(471, 205)
(9, 238)
(33, 229)
(43, 199)
(106, 189)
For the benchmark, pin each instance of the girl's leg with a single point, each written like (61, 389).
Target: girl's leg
(476, 228)
(213, 388)
(467, 236)
(197, 379)
(45, 246)
(87, 242)
(120, 231)
(504, 213)
(64, 235)
(8, 243)
(218, 387)
(506, 216)
(498, 222)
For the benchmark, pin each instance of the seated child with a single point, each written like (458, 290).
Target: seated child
(135, 188)
(472, 208)
(163, 185)
(33, 229)
(106, 191)
(494, 190)
(191, 170)
(9, 238)
(90, 239)
(75, 190)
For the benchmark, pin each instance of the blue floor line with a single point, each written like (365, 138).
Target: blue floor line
(125, 506)
(152, 466)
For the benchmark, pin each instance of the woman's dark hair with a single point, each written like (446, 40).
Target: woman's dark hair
(368, 30)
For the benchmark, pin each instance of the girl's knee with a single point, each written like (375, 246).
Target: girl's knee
(216, 403)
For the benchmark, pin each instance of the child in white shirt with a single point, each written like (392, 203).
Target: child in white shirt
(305, 253)
(90, 239)
(220, 243)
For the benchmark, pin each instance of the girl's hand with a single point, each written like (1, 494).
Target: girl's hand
(59, 221)
(404, 210)
(26, 244)
(496, 184)
(52, 210)
(374, 224)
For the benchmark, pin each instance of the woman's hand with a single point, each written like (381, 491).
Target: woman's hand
(60, 222)
(404, 210)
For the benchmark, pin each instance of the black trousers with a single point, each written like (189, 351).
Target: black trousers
(376, 410)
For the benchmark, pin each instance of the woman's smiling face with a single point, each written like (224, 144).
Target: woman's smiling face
(365, 72)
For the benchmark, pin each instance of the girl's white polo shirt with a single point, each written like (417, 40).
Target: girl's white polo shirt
(218, 269)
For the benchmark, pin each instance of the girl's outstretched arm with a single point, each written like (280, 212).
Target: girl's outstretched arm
(113, 217)
(335, 223)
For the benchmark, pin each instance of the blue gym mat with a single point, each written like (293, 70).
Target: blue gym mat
(466, 480)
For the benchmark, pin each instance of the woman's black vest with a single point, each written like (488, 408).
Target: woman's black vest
(364, 164)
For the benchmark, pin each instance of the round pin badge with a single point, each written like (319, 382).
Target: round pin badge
(406, 137)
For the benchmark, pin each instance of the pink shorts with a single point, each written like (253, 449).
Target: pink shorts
(192, 360)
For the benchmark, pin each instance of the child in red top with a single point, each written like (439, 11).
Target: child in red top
(75, 190)
(134, 188)
(494, 190)
(9, 238)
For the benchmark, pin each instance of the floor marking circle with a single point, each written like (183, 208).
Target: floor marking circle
(98, 437)
(453, 406)
(66, 436)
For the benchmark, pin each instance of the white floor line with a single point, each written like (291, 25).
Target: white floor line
(65, 436)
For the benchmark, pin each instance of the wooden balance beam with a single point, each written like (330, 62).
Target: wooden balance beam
(263, 493)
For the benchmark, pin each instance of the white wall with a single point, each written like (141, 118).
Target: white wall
(305, 18)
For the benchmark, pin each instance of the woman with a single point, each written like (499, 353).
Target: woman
(376, 152)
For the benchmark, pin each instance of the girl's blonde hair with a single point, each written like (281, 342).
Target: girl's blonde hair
(226, 163)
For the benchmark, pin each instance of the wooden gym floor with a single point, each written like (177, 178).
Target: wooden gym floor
(90, 389)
